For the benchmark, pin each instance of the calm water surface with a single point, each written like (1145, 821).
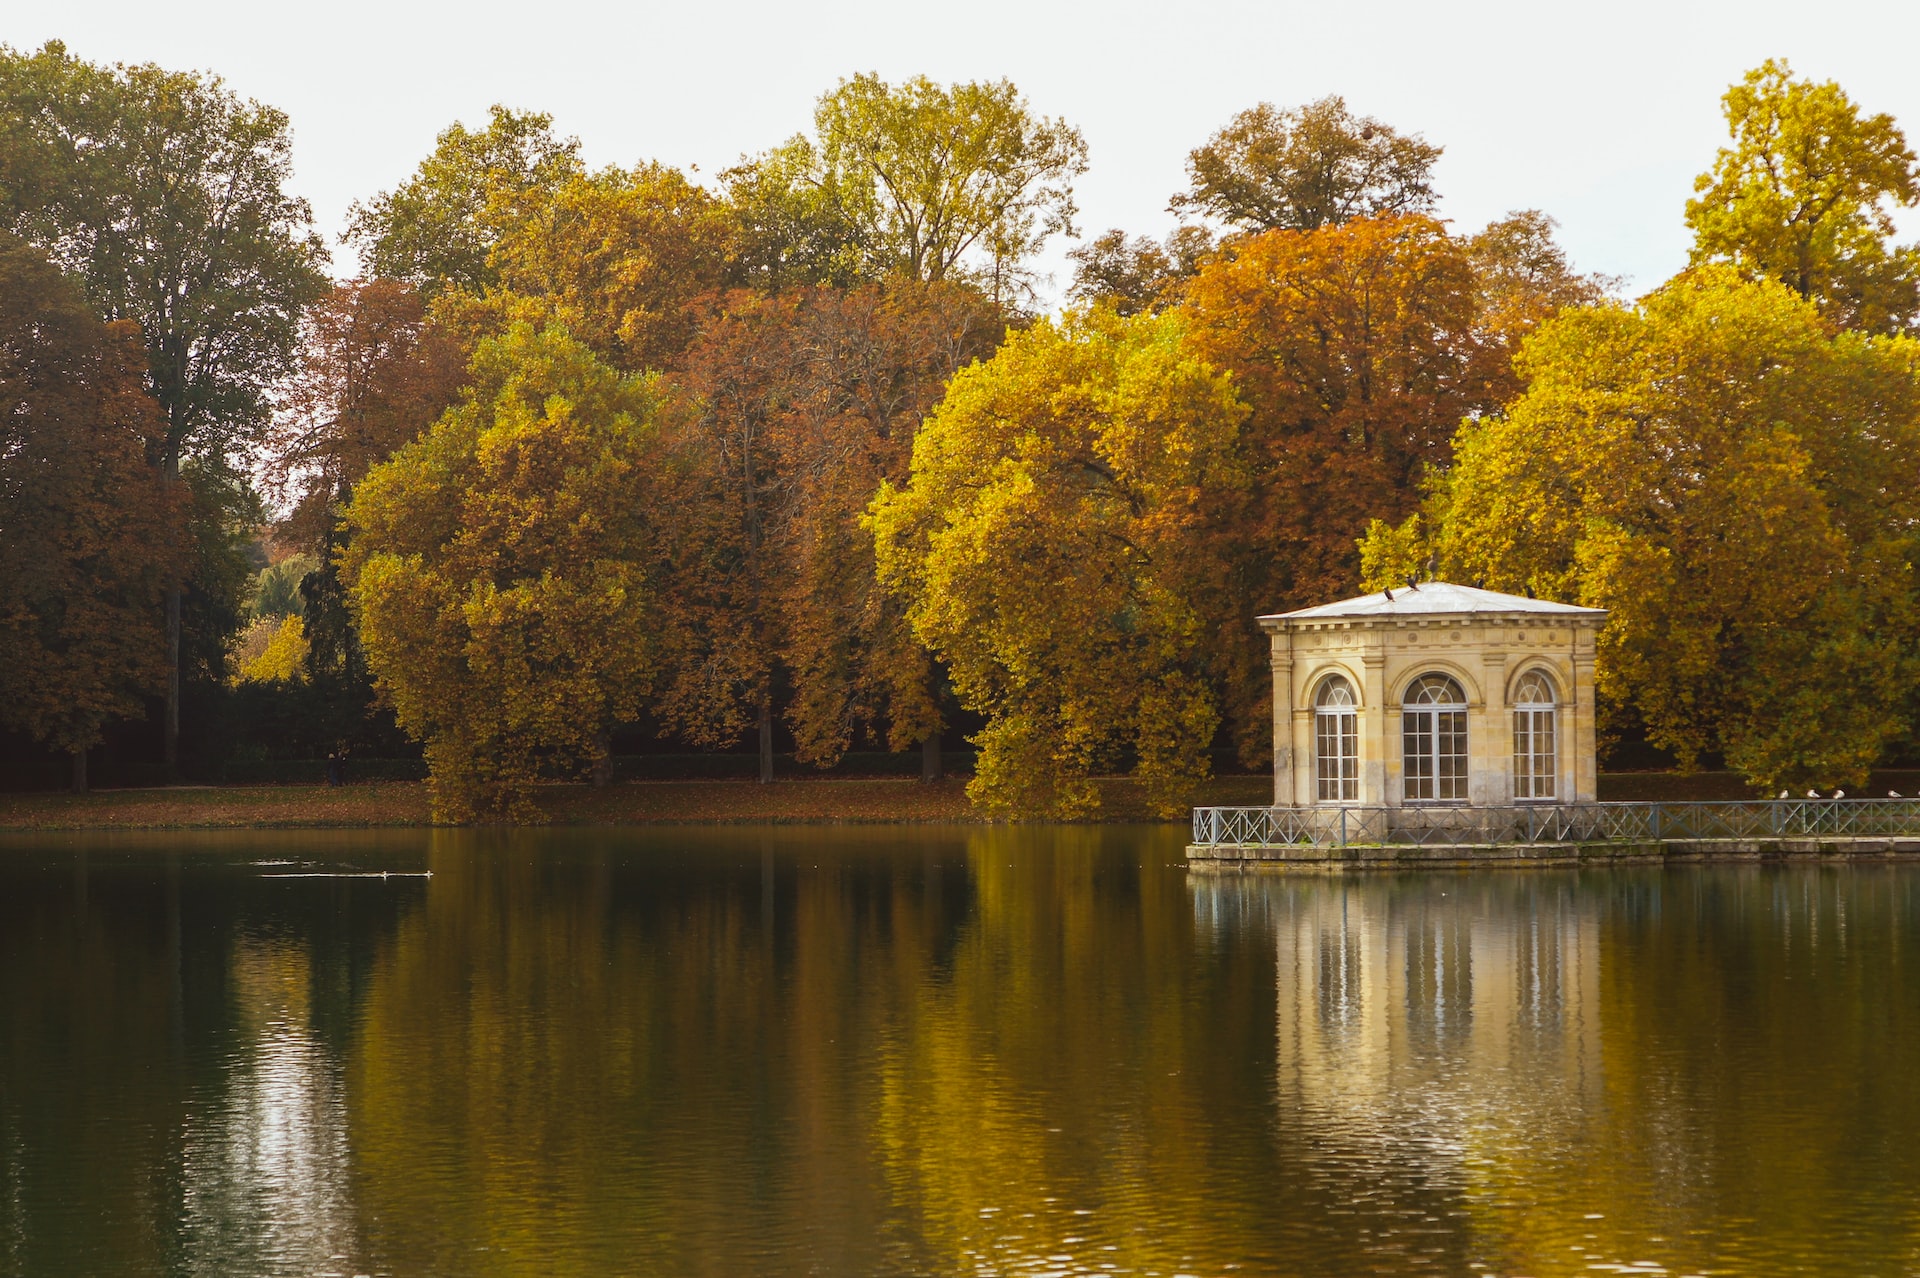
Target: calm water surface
(900, 1051)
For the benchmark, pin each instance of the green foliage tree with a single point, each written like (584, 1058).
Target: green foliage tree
(501, 571)
(276, 588)
(438, 229)
(1741, 487)
(793, 227)
(934, 181)
(89, 526)
(1306, 168)
(164, 193)
(1803, 194)
(1045, 544)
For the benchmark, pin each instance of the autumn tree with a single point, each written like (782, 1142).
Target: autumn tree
(501, 571)
(793, 225)
(1804, 196)
(620, 256)
(724, 575)
(165, 194)
(1740, 486)
(1137, 274)
(90, 526)
(438, 229)
(1299, 170)
(935, 181)
(799, 407)
(373, 374)
(1046, 546)
(1525, 278)
(870, 363)
(1358, 350)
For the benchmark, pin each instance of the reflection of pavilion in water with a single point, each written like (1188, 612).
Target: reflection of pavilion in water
(1420, 1019)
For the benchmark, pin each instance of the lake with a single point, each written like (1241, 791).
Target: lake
(933, 1050)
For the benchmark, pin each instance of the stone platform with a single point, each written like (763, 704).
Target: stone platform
(1308, 857)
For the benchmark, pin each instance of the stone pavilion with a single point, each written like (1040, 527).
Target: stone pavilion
(1433, 696)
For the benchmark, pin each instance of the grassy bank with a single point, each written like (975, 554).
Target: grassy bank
(400, 803)
(871, 799)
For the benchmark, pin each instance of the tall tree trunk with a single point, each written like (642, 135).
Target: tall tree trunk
(171, 747)
(603, 759)
(79, 771)
(170, 732)
(766, 738)
(930, 762)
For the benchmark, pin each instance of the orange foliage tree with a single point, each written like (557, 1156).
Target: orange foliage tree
(88, 519)
(798, 407)
(1357, 349)
(374, 374)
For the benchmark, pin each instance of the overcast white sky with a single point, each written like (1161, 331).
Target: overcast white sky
(1598, 113)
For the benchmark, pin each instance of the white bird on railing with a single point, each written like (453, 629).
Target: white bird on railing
(1783, 794)
(1839, 794)
(1895, 794)
(1813, 794)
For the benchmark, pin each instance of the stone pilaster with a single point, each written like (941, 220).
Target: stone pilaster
(1379, 754)
(1493, 752)
(1284, 783)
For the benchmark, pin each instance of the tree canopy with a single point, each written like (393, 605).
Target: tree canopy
(1804, 196)
(1044, 544)
(501, 569)
(1740, 486)
(947, 180)
(1299, 170)
(440, 226)
(165, 194)
(89, 525)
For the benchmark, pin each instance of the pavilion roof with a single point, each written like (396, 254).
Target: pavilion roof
(1431, 598)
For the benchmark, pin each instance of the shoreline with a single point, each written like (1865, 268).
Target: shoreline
(404, 804)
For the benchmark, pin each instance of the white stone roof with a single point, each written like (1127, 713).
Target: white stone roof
(1434, 598)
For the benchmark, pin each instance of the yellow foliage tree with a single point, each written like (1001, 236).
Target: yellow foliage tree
(499, 569)
(1803, 194)
(281, 659)
(1741, 487)
(1046, 544)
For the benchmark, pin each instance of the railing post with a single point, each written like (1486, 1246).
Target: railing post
(1343, 828)
(1653, 820)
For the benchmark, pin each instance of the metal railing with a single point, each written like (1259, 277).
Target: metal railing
(1555, 823)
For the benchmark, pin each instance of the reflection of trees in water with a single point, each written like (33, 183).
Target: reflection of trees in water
(591, 1061)
(170, 1039)
(926, 1051)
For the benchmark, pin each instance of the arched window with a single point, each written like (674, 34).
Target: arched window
(1536, 757)
(1336, 741)
(1433, 727)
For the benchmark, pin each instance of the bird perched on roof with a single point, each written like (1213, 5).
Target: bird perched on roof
(1433, 565)
(1388, 592)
